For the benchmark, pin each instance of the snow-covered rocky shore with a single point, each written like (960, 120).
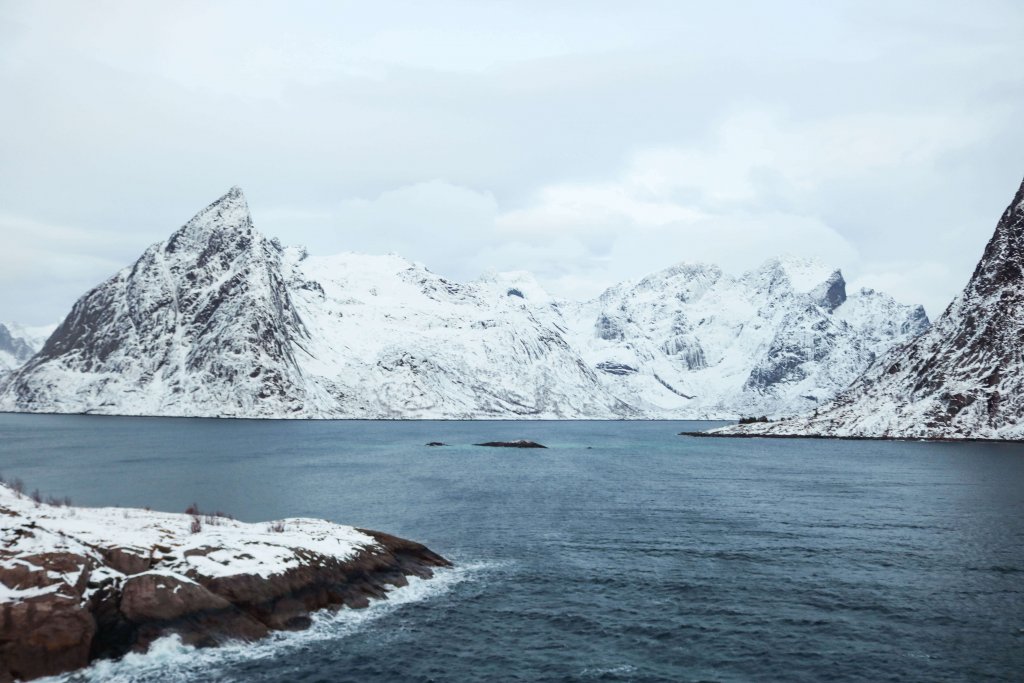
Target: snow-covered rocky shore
(78, 584)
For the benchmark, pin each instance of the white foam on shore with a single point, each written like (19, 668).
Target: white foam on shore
(170, 661)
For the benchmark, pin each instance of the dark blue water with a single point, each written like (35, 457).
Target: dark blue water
(621, 553)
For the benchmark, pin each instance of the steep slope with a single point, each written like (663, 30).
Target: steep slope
(220, 321)
(695, 341)
(201, 324)
(964, 378)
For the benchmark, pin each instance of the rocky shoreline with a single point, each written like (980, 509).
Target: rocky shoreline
(80, 584)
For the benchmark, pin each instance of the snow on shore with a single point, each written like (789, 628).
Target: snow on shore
(220, 547)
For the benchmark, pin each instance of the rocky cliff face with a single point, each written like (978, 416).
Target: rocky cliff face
(221, 321)
(202, 322)
(963, 378)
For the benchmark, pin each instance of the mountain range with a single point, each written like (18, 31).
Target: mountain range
(961, 379)
(219, 320)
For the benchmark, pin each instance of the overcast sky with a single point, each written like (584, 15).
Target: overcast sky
(587, 142)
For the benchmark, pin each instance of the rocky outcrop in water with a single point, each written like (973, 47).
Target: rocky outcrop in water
(78, 584)
(962, 379)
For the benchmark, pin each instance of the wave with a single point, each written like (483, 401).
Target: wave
(168, 660)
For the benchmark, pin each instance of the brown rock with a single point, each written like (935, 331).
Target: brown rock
(159, 605)
(44, 635)
(127, 561)
(155, 597)
(58, 632)
(33, 571)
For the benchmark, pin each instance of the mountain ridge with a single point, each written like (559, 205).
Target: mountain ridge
(960, 379)
(219, 320)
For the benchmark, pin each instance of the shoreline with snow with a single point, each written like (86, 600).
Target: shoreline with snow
(308, 418)
(82, 584)
(832, 437)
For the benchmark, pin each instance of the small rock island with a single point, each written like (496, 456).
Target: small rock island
(521, 443)
(80, 584)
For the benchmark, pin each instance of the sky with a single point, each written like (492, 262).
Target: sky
(586, 142)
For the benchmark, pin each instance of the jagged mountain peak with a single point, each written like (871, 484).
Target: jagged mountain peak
(684, 280)
(831, 294)
(799, 273)
(229, 214)
(683, 271)
(220, 320)
(1003, 261)
(15, 349)
(204, 318)
(959, 379)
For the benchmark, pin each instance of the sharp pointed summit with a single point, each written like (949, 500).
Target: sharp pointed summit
(204, 318)
(228, 214)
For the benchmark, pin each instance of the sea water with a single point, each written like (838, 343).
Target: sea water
(622, 552)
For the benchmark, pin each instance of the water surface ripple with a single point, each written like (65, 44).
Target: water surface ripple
(621, 553)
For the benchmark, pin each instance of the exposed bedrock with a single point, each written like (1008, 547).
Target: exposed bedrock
(73, 608)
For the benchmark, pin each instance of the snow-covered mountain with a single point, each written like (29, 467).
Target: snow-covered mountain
(18, 343)
(963, 378)
(219, 320)
(778, 339)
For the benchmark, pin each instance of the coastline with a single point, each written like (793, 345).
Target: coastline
(84, 584)
(825, 437)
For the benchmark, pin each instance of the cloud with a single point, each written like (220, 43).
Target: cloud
(588, 142)
(755, 191)
(913, 281)
(39, 262)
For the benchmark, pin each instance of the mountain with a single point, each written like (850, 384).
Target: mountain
(19, 343)
(199, 321)
(219, 320)
(776, 340)
(963, 378)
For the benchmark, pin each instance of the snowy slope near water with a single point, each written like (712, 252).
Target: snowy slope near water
(961, 379)
(219, 320)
